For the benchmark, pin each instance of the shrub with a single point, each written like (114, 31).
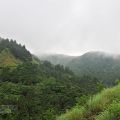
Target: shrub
(74, 114)
(111, 113)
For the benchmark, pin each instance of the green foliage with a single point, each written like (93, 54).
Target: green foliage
(100, 65)
(49, 114)
(19, 51)
(7, 59)
(111, 113)
(74, 114)
(81, 101)
(117, 81)
(38, 90)
(42, 91)
(103, 106)
(104, 67)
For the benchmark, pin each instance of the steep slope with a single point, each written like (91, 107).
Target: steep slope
(103, 106)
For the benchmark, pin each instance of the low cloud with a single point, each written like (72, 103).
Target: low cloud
(62, 26)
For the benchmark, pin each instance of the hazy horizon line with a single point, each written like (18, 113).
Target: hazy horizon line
(61, 53)
(77, 54)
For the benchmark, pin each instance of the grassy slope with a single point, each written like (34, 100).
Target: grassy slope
(7, 59)
(103, 106)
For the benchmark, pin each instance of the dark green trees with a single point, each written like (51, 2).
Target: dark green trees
(17, 50)
(38, 90)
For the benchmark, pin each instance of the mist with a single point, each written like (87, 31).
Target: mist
(70, 27)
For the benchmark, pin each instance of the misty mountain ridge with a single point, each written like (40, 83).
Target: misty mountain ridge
(57, 58)
(64, 58)
(104, 66)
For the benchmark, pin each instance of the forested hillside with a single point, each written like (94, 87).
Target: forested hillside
(19, 51)
(31, 89)
(103, 66)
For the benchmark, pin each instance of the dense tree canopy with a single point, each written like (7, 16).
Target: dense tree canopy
(35, 90)
(42, 91)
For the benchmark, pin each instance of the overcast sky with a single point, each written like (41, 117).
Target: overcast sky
(62, 26)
